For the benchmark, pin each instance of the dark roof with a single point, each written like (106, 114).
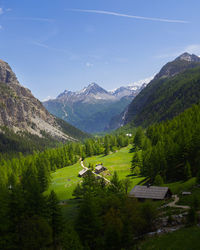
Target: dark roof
(152, 192)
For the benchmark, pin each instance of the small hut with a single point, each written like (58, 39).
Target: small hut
(150, 192)
(99, 168)
(83, 172)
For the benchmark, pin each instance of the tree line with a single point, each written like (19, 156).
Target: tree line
(170, 149)
(31, 219)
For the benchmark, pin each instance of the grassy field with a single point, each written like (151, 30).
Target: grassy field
(184, 239)
(177, 187)
(119, 161)
(65, 180)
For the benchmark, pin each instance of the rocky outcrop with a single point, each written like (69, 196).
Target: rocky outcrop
(21, 111)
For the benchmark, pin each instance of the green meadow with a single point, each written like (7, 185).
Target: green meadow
(183, 239)
(65, 180)
(119, 161)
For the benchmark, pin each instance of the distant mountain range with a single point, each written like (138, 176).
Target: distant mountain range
(23, 114)
(92, 108)
(175, 88)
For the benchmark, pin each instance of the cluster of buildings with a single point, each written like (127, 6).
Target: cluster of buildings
(98, 169)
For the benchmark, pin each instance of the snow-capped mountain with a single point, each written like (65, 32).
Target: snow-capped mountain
(88, 94)
(92, 108)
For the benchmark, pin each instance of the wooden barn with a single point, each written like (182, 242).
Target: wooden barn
(150, 192)
(83, 172)
(99, 168)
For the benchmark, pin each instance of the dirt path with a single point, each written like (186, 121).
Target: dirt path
(106, 180)
(173, 203)
(82, 165)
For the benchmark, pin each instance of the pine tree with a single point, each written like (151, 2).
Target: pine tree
(138, 139)
(55, 219)
(187, 171)
(158, 180)
(116, 185)
(136, 162)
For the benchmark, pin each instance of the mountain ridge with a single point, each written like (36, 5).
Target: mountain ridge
(159, 100)
(91, 108)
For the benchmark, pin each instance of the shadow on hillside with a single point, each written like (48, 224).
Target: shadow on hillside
(132, 150)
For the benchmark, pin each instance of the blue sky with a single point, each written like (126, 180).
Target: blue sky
(53, 45)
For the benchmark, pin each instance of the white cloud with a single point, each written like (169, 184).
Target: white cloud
(1, 27)
(129, 16)
(89, 65)
(1, 11)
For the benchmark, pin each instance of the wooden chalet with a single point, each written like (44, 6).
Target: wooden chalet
(83, 172)
(150, 192)
(99, 168)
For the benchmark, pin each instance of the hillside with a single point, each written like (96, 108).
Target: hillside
(173, 147)
(92, 108)
(175, 88)
(25, 121)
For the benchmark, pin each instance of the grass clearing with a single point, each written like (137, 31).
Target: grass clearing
(177, 187)
(119, 161)
(64, 181)
(184, 239)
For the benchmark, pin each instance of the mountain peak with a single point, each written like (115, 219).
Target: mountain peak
(6, 74)
(188, 57)
(183, 62)
(93, 88)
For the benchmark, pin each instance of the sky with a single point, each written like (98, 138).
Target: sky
(53, 45)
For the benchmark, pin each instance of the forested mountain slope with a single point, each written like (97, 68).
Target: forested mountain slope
(173, 149)
(175, 88)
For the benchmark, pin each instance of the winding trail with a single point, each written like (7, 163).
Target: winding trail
(106, 180)
(173, 203)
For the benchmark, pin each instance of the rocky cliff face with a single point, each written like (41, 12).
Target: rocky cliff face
(21, 111)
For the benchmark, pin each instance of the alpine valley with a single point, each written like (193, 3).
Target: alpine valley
(93, 108)
(86, 194)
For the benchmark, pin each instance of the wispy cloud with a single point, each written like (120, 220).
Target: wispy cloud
(36, 19)
(129, 16)
(40, 44)
(89, 65)
(43, 45)
(1, 11)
